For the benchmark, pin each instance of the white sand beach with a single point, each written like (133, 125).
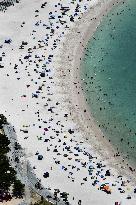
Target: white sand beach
(12, 202)
(41, 44)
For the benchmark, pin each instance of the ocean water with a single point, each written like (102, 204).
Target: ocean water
(109, 73)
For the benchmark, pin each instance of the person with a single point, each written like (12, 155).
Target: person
(117, 203)
(79, 202)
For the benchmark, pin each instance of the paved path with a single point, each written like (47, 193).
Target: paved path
(24, 170)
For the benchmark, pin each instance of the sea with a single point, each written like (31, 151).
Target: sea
(108, 74)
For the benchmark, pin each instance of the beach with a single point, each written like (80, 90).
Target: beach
(12, 202)
(42, 45)
(82, 32)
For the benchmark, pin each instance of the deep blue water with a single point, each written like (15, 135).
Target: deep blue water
(109, 72)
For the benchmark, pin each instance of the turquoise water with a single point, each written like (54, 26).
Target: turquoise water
(109, 72)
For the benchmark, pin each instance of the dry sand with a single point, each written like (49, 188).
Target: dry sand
(72, 54)
(12, 202)
(43, 109)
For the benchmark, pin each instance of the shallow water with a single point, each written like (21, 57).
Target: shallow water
(109, 72)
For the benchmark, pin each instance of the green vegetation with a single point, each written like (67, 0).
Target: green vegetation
(4, 142)
(5, 4)
(3, 121)
(43, 202)
(7, 173)
(18, 189)
(36, 199)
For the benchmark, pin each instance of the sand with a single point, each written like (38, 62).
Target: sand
(41, 104)
(12, 202)
(81, 34)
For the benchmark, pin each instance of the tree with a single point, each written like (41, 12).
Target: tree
(3, 120)
(18, 189)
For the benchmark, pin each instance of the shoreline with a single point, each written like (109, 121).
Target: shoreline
(36, 100)
(104, 148)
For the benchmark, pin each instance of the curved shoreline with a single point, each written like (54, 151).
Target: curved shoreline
(46, 123)
(74, 52)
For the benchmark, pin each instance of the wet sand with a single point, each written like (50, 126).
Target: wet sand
(42, 104)
(82, 32)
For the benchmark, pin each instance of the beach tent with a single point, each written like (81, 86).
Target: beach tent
(46, 175)
(34, 95)
(70, 131)
(8, 41)
(105, 188)
(40, 157)
(107, 173)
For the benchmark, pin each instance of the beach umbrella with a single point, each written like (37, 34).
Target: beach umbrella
(46, 129)
(42, 74)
